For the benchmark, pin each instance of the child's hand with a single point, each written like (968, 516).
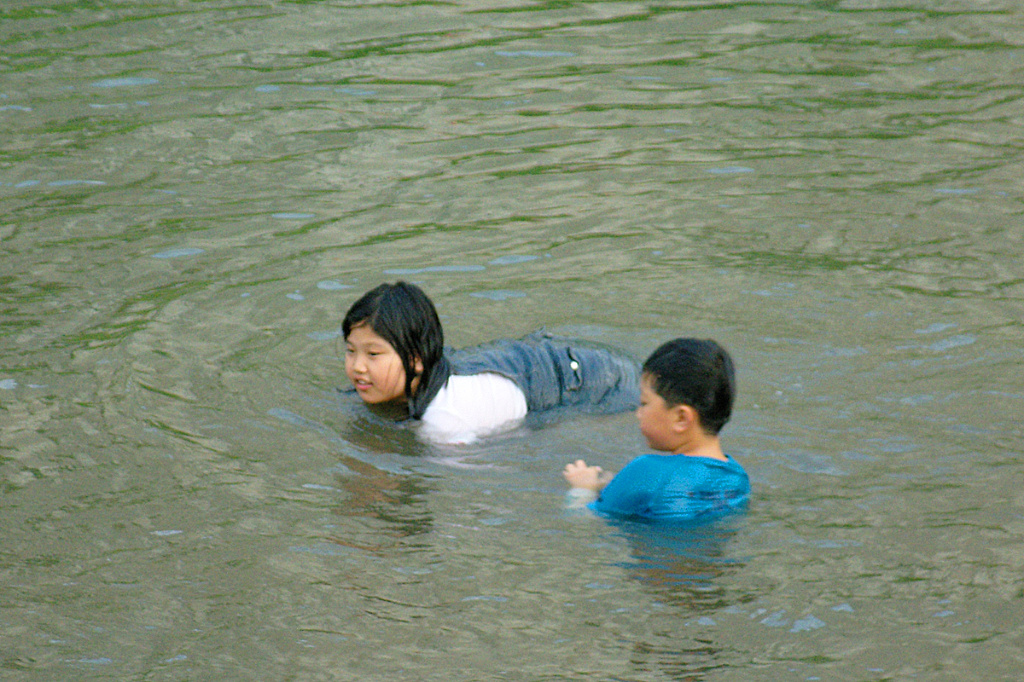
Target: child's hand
(578, 475)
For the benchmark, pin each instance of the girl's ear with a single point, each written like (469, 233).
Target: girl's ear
(418, 366)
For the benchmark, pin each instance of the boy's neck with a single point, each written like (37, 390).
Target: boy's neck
(703, 446)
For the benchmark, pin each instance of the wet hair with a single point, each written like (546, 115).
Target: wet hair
(698, 373)
(405, 317)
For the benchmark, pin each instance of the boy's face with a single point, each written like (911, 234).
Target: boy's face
(657, 419)
(374, 367)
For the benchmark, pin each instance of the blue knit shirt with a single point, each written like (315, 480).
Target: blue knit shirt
(674, 488)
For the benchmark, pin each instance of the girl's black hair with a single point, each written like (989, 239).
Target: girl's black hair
(698, 373)
(405, 317)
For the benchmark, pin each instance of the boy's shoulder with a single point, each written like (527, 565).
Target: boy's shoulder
(681, 462)
(674, 487)
(660, 471)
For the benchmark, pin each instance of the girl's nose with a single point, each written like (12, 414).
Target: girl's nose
(357, 363)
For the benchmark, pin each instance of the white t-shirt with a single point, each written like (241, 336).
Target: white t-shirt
(471, 406)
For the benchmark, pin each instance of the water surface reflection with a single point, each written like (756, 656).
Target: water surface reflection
(191, 193)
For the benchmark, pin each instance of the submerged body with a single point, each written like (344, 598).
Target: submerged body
(395, 357)
(491, 388)
(686, 395)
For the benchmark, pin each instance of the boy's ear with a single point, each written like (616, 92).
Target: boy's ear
(418, 366)
(685, 417)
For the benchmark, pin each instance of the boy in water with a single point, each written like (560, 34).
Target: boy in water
(687, 389)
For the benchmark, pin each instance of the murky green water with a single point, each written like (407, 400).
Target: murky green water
(192, 194)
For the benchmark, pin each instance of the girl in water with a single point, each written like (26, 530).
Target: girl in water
(395, 357)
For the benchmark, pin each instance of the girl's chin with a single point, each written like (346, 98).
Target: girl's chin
(392, 409)
(370, 396)
(371, 399)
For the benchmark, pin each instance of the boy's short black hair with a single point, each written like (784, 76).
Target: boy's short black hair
(698, 373)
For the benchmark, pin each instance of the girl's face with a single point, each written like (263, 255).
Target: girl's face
(374, 367)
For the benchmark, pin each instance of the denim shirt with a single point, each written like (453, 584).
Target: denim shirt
(552, 372)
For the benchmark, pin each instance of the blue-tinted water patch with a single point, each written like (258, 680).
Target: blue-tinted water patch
(340, 469)
(404, 570)
(356, 92)
(512, 260)
(332, 285)
(814, 463)
(859, 456)
(179, 253)
(807, 623)
(166, 533)
(935, 328)
(485, 598)
(534, 53)
(70, 183)
(321, 549)
(8, 384)
(103, 660)
(317, 486)
(833, 544)
(843, 607)
(435, 268)
(293, 216)
(176, 659)
(953, 342)
(124, 82)
(27, 183)
(846, 352)
(324, 335)
(14, 107)
(730, 170)
(295, 296)
(287, 416)
(498, 294)
(267, 88)
(954, 190)
(776, 620)
(119, 105)
(769, 292)
(706, 620)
